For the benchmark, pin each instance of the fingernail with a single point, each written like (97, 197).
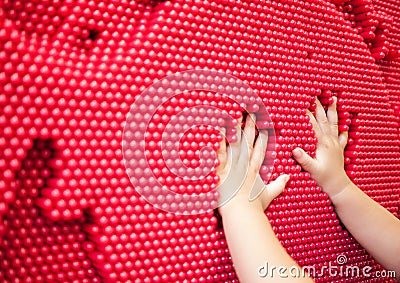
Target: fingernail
(334, 99)
(286, 177)
(297, 152)
(250, 117)
(263, 135)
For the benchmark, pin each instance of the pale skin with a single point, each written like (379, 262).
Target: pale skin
(250, 237)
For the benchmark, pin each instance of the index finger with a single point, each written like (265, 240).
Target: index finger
(315, 125)
(321, 118)
(333, 117)
(259, 150)
(222, 155)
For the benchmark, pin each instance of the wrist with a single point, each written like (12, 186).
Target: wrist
(343, 194)
(337, 185)
(239, 204)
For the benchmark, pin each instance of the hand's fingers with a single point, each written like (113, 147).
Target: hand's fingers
(222, 154)
(333, 117)
(315, 125)
(274, 189)
(307, 162)
(235, 146)
(258, 154)
(238, 129)
(249, 133)
(343, 137)
(321, 118)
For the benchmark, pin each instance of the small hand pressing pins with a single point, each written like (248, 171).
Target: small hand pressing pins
(239, 170)
(328, 166)
(250, 237)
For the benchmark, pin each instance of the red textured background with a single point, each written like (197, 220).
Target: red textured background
(70, 69)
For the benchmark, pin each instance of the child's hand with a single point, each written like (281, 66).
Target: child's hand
(328, 166)
(240, 162)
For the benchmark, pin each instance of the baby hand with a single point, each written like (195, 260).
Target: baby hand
(240, 162)
(328, 166)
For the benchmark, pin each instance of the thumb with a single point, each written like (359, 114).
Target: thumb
(343, 138)
(274, 189)
(306, 161)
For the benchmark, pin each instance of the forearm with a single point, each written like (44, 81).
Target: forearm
(253, 244)
(376, 229)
